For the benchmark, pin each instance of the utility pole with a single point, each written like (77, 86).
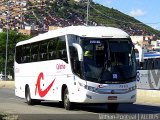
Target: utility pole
(21, 16)
(5, 72)
(87, 19)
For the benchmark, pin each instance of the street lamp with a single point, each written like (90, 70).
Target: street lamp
(5, 72)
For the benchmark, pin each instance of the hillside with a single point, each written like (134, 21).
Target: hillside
(60, 13)
(67, 12)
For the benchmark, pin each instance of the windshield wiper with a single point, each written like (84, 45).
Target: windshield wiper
(103, 69)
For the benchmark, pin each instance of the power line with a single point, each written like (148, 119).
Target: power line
(112, 17)
(120, 20)
(152, 23)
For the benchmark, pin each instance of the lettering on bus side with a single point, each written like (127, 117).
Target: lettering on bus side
(60, 66)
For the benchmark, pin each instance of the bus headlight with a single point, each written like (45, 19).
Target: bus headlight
(132, 88)
(90, 88)
(93, 89)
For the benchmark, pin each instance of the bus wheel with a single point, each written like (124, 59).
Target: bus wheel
(112, 107)
(29, 100)
(67, 103)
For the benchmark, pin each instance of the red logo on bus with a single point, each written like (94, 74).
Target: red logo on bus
(38, 87)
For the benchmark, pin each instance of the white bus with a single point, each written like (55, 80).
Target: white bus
(77, 64)
(149, 71)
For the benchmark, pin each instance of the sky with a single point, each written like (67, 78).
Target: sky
(146, 11)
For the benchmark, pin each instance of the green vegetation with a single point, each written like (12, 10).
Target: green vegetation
(13, 38)
(4, 116)
(72, 11)
(1, 117)
(115, 18)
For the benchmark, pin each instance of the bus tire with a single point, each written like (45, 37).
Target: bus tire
(112, 107)
(29, 100)
(66, 101)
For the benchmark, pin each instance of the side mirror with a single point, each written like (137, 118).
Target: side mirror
(79, 50)
(140, 53)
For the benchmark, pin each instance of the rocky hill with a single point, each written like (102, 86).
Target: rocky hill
(60, 13)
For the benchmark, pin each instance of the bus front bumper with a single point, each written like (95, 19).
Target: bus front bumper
(93, 97)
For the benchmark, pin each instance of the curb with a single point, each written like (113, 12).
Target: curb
(148, 96)
(7, 84)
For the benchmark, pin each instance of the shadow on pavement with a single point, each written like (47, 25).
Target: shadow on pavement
(123, 108)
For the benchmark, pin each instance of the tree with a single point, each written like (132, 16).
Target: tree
(13, 38)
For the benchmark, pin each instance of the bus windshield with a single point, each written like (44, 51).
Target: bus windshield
(108, 61)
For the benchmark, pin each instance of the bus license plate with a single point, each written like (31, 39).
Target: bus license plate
(112, 97)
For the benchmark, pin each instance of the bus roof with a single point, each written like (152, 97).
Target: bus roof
(82, 31)
(150, 55)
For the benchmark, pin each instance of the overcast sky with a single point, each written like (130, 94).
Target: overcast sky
(146, 11)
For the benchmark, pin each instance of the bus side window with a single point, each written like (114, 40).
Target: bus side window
(158, 63)
(147, 65)
(51, 55)
(57, 49)
(155, 64)
(26, 54)
(61, 52)
(43, 51)
(141, 65)
(27, 59)
(51, 50)
(144, 65)
(150, 64)
(64, 55)
(19, 53)
(34, 52)
(23, 55)
(24, 59)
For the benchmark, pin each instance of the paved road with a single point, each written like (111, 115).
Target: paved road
(48, 111)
